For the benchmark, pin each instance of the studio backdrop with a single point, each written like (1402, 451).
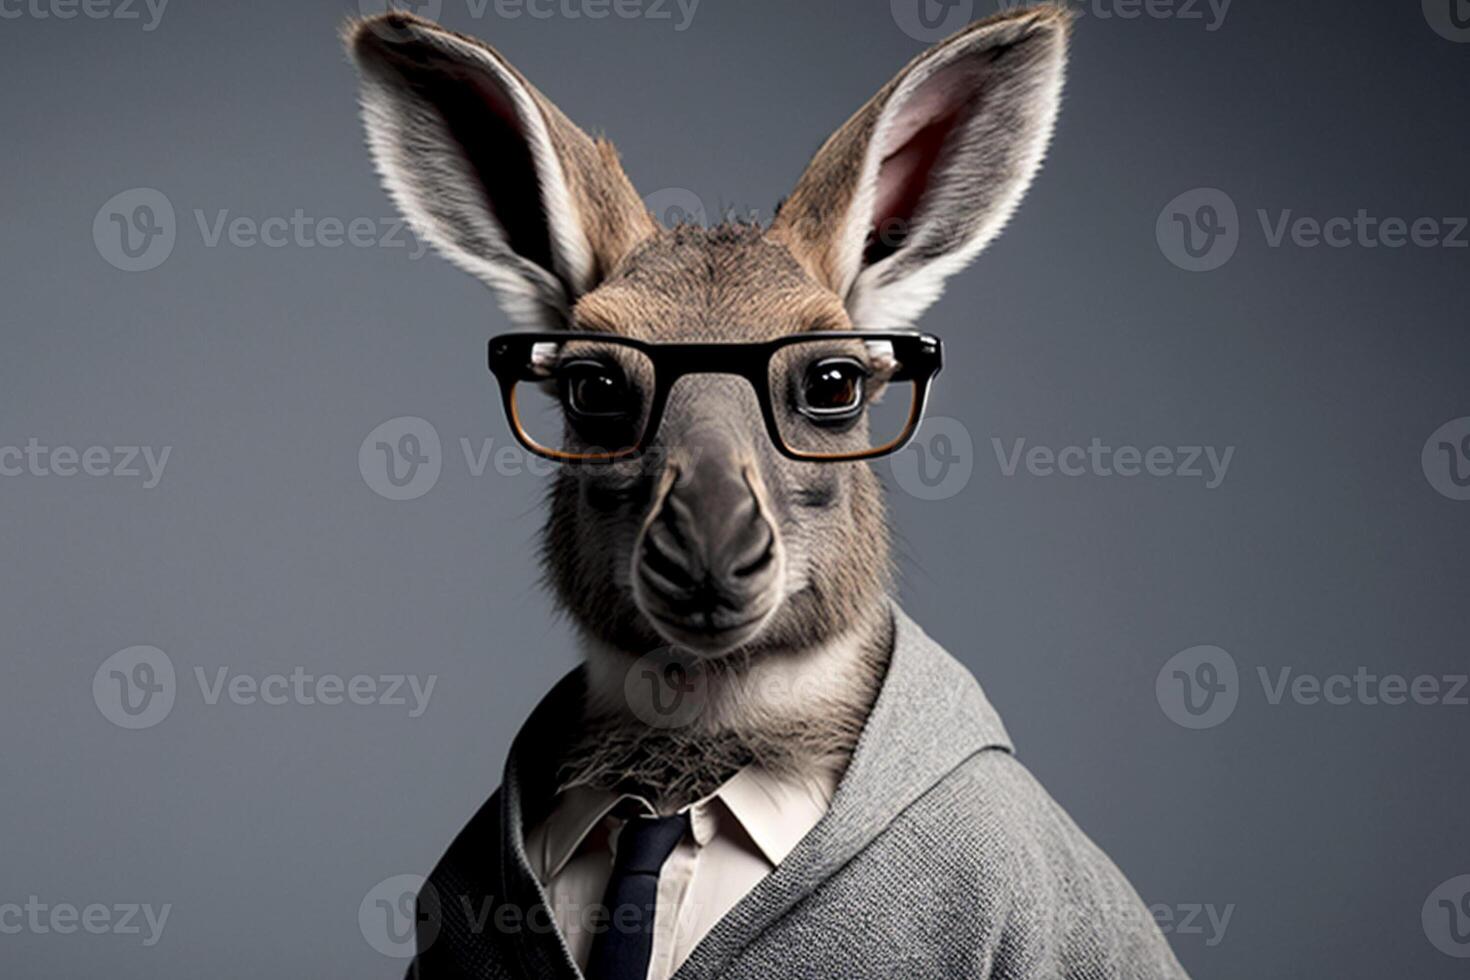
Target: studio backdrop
(1192, 499)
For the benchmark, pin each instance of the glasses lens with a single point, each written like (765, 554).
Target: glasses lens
(841, 397)
(585, 398)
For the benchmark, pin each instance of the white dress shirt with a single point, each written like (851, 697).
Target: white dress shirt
(738, 834)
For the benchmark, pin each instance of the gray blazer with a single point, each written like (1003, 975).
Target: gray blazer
(941, 856)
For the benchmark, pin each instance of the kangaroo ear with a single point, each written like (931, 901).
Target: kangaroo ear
(489, 171)
(927, 173)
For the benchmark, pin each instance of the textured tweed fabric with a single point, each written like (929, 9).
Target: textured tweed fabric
(941, 857)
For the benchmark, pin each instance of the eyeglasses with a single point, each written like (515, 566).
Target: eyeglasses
(831, 396)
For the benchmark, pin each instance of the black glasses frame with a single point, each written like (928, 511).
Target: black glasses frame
(920, 357)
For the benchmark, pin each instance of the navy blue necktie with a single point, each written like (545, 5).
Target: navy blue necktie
(622, 950)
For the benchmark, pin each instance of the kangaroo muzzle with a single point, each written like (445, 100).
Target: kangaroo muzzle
(708, 567)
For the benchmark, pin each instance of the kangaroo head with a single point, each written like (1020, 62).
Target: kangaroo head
(725, 544)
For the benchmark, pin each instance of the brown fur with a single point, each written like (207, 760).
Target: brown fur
(982, 104)
(722, 284)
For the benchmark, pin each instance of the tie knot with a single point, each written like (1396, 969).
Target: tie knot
(645, 843)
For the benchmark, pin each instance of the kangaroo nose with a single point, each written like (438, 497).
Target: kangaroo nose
(708, 559)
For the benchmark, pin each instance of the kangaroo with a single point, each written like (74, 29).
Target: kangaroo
(764, 562)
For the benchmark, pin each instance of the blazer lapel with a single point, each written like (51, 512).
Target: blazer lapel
(929, 717)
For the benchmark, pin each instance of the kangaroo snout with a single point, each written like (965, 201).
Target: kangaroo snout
(709, 563)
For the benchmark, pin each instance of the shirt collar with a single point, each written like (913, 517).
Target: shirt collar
(775, 810)
(573, 815)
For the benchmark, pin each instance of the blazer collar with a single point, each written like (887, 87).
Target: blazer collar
(929, 717)
(776, 811)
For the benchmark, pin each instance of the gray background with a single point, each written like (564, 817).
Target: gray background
(264, 548)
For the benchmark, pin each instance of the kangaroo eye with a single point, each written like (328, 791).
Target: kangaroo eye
(833, 390)
(592, 389)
